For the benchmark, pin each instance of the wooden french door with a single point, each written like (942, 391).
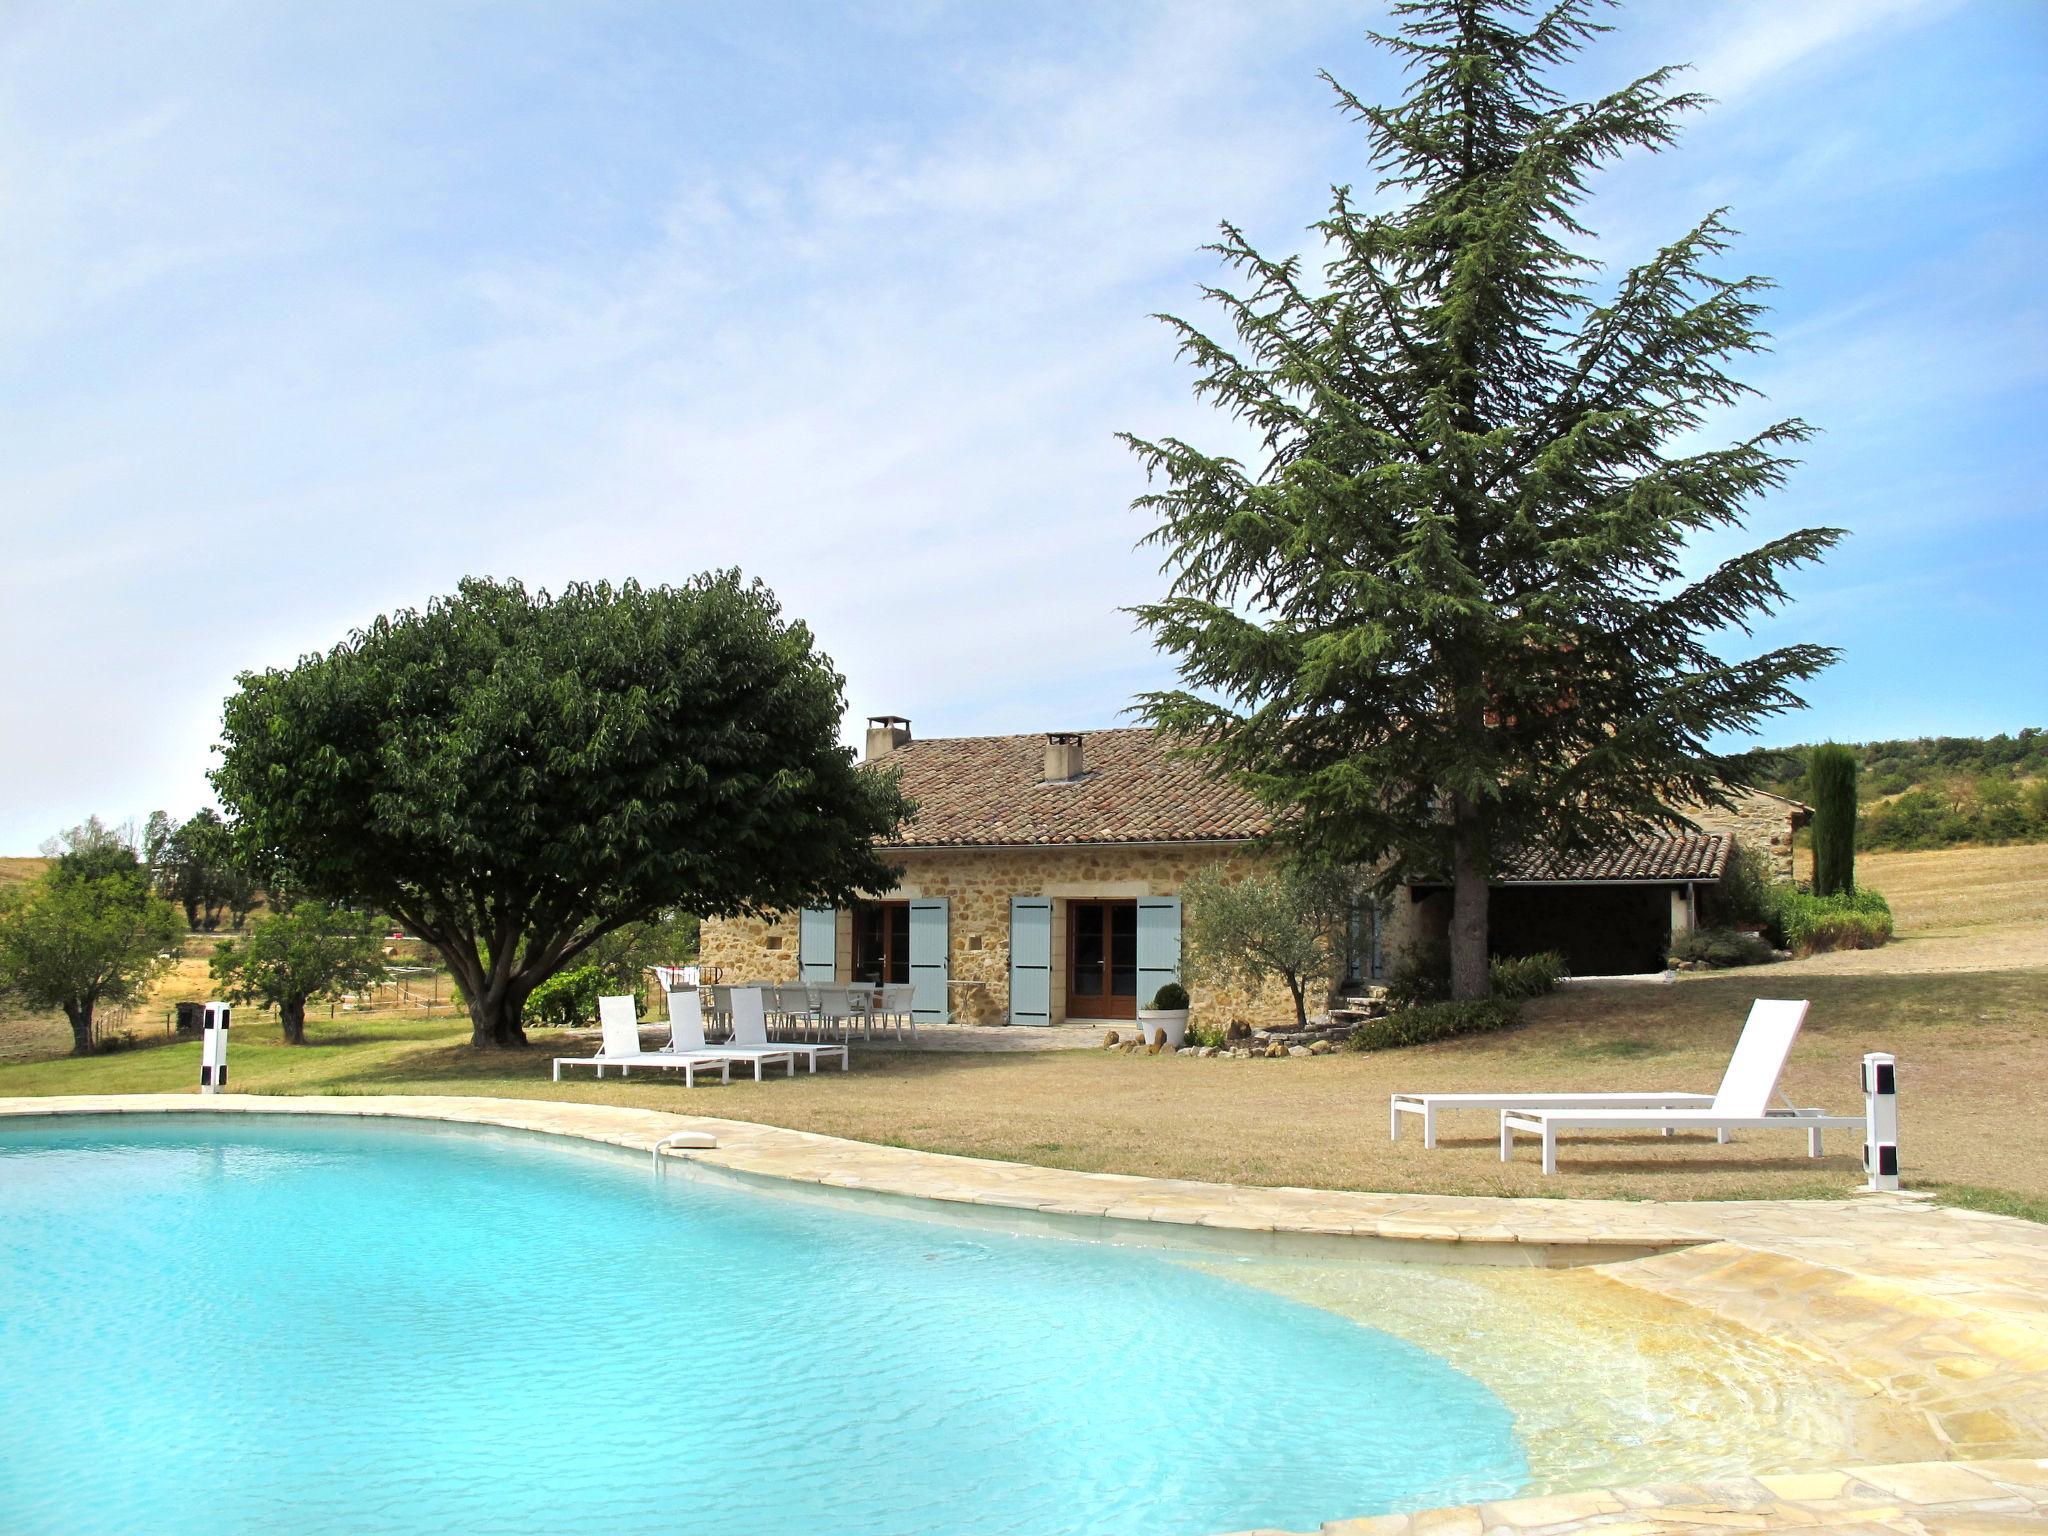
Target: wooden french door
(881, 942)
(1102, 959)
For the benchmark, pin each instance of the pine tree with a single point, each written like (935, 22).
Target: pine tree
(1442, 612)
(1832, 772)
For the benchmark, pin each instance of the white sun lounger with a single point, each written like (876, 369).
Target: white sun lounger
(619, 1021)
(1427, 1106)
(686, 1035)
(750, 1029)
(1743, 1102)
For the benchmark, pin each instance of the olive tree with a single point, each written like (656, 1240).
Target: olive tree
(516, 775)
(82, 935)
(315, 950)
(1268, 925)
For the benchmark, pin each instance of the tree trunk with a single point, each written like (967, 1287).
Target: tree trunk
(1300, 991)
(494, 1023)
(494, 1001)
(291, 1014)
(80, 1016)
(1468, 906)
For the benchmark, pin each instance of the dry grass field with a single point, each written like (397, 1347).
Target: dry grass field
(18, 871)
(1957, 909)
(1972, 1041)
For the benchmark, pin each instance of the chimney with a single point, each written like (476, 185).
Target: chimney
(885, 734)
(1062, 756)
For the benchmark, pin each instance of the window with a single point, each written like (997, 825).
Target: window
(1102, 956)
(881, 942)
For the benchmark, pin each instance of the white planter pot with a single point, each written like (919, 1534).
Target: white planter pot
(1173, 1020)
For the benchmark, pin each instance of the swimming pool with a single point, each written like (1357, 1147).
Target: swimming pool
(256, 1325)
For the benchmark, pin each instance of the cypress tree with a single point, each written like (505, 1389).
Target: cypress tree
(1442, 611)
(1832, 773)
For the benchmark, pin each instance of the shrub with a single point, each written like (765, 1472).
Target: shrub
(1170, 997)
(1528, 976)
(1200, 1035)
(1744, 896)
(1426, 1022)
(1720, 947)
(1420, 974)
(1855, 920)
(567, 997)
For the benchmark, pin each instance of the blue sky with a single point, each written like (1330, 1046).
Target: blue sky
(308, 311)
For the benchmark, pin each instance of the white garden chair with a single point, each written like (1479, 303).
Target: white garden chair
(750, 1029)
(619, 1025)
(686, 1035)
(1743, 1102)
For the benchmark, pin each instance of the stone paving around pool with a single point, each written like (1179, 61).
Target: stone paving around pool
(1942, 1312)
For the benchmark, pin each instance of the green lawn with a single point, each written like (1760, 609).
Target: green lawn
(1972, 1048)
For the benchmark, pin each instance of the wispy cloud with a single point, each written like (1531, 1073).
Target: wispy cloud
(310, 314)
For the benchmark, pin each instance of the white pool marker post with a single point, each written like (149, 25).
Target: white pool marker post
(213, 1050)
(1881, 1120)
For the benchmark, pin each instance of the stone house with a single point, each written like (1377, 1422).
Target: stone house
(1042, 877)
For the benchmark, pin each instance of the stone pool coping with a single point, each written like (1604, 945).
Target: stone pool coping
(1942, 1311)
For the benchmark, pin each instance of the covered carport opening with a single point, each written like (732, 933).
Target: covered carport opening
(1601, 930)
(1610, 914)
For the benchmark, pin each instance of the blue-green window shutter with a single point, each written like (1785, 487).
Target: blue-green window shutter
(1030, 960)
(817, 946)
(1158, 945)
(928, 950)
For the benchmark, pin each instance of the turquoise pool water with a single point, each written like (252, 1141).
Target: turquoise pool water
(243, 1325)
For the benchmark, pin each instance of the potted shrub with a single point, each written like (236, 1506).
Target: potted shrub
(1169, 1011)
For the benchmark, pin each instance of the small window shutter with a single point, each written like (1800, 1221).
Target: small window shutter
(1158, 945)
(928, 1002)
(1030, 960)
(817, 946)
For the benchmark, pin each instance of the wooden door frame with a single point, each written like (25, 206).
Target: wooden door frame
(1104, 1005)
(889, 912)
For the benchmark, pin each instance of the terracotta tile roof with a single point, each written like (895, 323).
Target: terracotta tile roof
(989, 792)
(1691, 857)
(974, 791)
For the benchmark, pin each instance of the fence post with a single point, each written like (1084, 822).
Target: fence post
(213, 1050)
(1881, 1120)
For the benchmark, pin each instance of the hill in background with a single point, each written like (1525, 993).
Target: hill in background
(1937, 791)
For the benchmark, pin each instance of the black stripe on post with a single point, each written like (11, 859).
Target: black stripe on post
(223, 1074)
(1887, 1077)
(1888, 1160)
(205, 1075)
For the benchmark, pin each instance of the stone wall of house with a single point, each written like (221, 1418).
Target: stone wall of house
(1764, 823)
(978, 884)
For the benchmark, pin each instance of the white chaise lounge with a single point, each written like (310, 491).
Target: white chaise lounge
(750, 1030)
(1427, 1106)
(686, 1035)
(620, 1024)
(1743, 1102)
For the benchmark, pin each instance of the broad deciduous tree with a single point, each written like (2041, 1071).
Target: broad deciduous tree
(514, 775)
(314, 950)
(84, 934)
(1444, 609)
